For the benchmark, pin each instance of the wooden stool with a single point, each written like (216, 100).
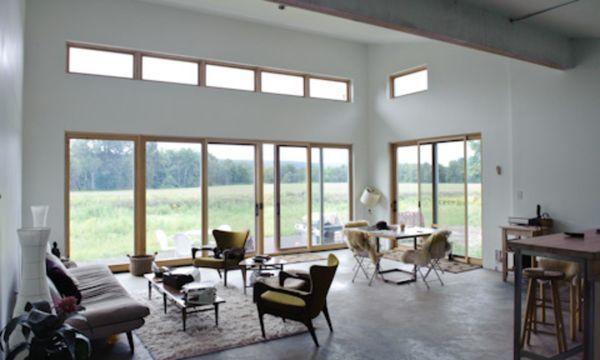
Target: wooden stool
(530, 323)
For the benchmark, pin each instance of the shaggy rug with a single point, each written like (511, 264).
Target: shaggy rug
(165, 339)
(300, 258)
(453, 267)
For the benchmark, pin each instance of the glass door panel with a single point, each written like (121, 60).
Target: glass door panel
(101, 200)
(335, 185)
(269, 243)
(173, 198)
(474, 198)
(231, 190)
(293, 199)
(426, 190)
(407, 191)
(450, 181)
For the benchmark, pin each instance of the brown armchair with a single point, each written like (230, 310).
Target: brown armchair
(228, 253)
(298, 305)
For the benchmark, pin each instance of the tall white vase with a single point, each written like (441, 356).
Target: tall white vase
(34, 284)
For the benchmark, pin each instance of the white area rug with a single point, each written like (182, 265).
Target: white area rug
(164, 338)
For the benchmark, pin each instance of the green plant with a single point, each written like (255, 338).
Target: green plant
(46, 335)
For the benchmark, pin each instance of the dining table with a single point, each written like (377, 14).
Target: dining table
(394, 234)
(582, 248)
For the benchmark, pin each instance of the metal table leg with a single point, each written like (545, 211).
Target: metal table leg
(517, 301)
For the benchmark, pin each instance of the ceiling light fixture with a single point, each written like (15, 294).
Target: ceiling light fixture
(527, 16)
(281, 7)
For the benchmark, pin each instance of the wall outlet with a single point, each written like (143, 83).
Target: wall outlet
(498, 255)
(520, 194)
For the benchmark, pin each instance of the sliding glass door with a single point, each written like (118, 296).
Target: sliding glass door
(450, 184)
(292, 197)
(173, 198)
(137, 194)
(445, 176)
(232, 189)
(101, 200)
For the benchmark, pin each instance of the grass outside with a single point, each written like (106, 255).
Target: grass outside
(102, 221)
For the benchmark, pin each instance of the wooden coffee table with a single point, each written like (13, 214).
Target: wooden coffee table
(273, 263)
(176, 297)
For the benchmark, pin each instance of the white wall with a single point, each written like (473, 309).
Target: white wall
(12, 16)
(56, 102)
(540, 125)
(556, 131)
(468, 93)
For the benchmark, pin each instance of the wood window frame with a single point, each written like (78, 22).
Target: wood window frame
(139, 189)
(136, 59)
(202, 63)
(140, 66)
(393, 146)
(396, 75)
(329, 78)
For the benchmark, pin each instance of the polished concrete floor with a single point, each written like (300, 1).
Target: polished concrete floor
(468, 318)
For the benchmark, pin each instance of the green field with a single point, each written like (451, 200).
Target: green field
(102, 221)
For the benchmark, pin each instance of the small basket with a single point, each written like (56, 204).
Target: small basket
(140, 264)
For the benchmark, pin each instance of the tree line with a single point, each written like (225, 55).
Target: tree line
(108, 165)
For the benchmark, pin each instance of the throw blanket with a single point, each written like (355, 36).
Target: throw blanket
(360, 242)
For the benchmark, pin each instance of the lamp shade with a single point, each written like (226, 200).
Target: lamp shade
(370, 197)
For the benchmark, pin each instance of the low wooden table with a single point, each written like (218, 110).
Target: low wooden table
(274, 263)
(176, 297)
(395, 235)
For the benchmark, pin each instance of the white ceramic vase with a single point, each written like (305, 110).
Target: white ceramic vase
(34, 284)
(40, 215)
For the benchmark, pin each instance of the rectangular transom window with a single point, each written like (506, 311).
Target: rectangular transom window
(169, 70)
(409, 82)
(278, 83)
(229, 77)
(100, 62)
(328, 89)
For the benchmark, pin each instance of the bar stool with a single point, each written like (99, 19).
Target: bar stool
(530, 323)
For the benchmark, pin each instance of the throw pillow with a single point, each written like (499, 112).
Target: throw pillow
(64, 283)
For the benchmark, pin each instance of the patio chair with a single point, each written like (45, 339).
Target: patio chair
(183, 245)
(163, 241)
(411, 218)
(363, 250)
(429, 255)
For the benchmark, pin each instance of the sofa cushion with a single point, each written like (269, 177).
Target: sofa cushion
(105, 300)
(283, 299)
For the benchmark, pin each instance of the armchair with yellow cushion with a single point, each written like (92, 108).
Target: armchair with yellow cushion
(228, 253)
(298, 305)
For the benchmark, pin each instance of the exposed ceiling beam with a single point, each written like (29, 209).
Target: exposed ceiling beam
(453, 22)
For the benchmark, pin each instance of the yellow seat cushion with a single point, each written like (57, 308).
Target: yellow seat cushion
(283, 299)
(209, 262)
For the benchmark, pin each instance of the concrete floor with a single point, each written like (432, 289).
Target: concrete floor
(468, 318)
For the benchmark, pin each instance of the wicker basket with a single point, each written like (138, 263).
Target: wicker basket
(140, 264)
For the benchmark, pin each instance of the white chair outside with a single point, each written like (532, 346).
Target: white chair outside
(162, 239)
(183, 245)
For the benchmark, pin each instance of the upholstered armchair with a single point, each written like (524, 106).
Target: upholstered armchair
(228, 253)
(429, 255)
(298, 305)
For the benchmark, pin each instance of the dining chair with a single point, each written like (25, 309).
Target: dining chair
(429, 255)
(363, 250)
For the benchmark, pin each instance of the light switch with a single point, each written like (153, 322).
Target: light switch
(520, 194)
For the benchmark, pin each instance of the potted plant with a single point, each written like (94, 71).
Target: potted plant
(46, 335)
